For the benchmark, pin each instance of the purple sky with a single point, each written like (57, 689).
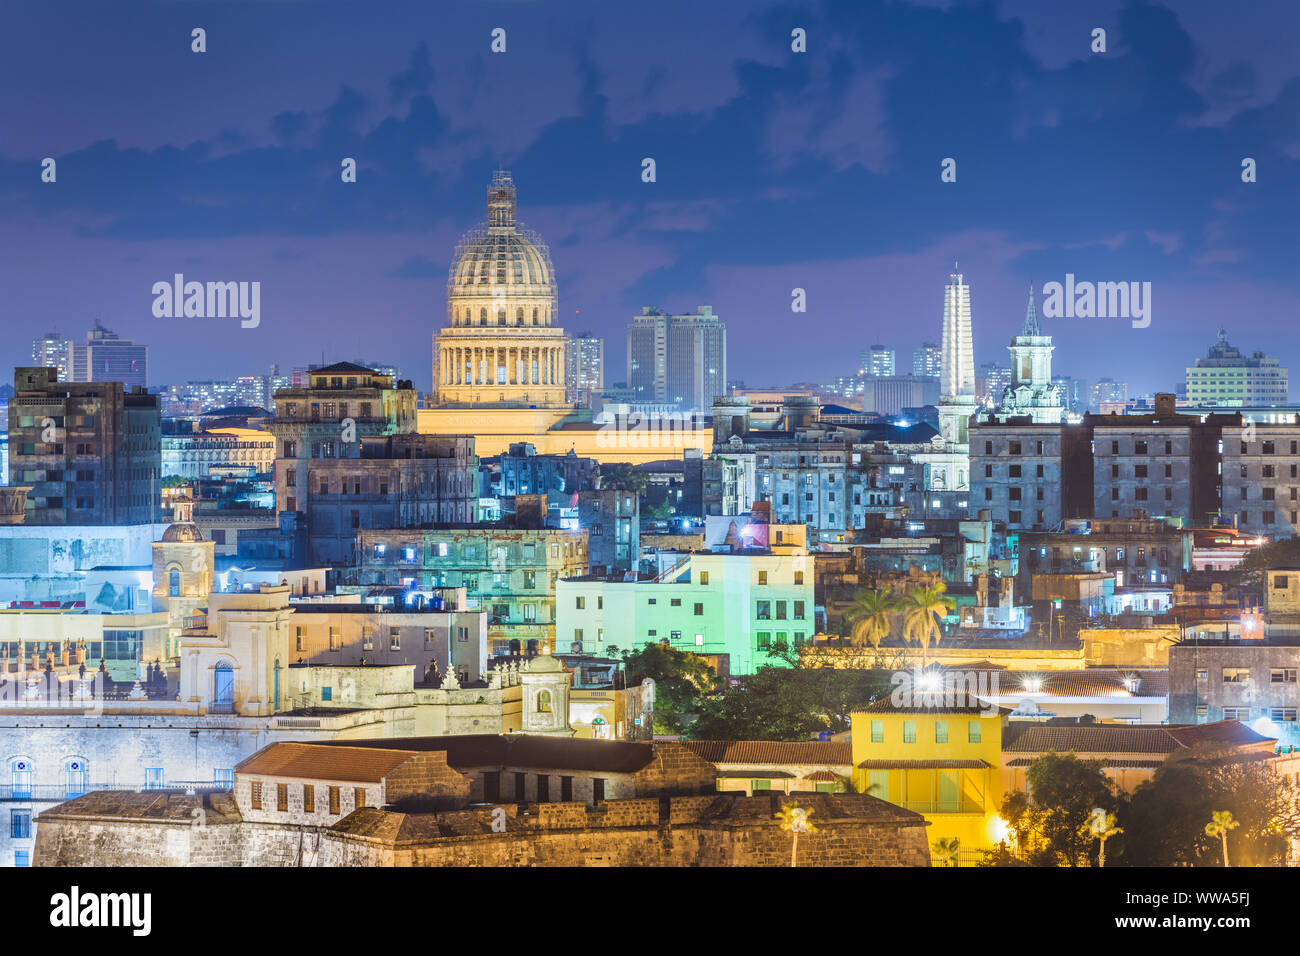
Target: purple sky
(775, 170)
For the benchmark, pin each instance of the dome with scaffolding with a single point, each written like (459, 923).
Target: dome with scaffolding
(501, 275)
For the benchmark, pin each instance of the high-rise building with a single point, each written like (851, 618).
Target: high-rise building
(584, 367)
(1032, 391)
(1227, 378)
(107, 357)
(677, 359)
(1074, 393)
(1108, 391)
(52, 350)
(927, 361)
(876, 361)
(501, 346)
(957, 374)
(90, 451)
(991, 380)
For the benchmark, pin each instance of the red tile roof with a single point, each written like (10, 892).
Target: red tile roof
(321, 762)
(1029, 737)
(773, 751)
(924, 765)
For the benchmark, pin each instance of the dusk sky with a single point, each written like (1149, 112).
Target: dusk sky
(775, 170)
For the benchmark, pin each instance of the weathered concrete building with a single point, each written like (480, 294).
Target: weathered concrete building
(91, 452)
(398, 481)
(341, 404)
(506, 570)
(1261, 478)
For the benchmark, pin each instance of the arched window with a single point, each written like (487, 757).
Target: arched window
(20, 777)
(74, 777)
(544, 702)
(174, 583)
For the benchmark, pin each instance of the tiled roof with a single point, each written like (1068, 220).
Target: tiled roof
(323, 762)
(1125, 738)
(1121, 764)
(1225, 732)
(886, 706)
(772, 751)
(522, 750)
(924, 765)
(755, 774)
(820, 775)
(342, 368)
(1091, 682)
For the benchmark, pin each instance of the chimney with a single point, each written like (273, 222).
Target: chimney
(1165, 404)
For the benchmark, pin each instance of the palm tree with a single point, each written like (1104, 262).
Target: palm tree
(1219, 826)
(795, 819)
(1102, 825)
(922, 607)
(946, 849)
(869, 615)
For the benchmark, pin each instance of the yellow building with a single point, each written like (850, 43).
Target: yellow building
(943, 762)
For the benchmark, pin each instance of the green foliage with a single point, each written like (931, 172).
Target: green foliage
(1165, 819)
(1050, 822)
(869, 617)
(681, 681)
(1276, 554)
(778, 703)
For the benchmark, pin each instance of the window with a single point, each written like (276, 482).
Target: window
(308, 798)
(153, 778)
(22, 858)
(1283, 714)
(1282, 675)
(359, 795)
(327, 693)
(877, 731)
(1236, 713)
(973, 732)
(941, 731)
(704, 577)
(566, 789)
(909, 731)
(756, 784)
(1236, 675)
(798, 577)
(762, 577)
(282, 797)
(20, 824)
(798, 610)
(764, 612)
(224, 778)
(543, 788)
(394, 638)
(598, 788)
(255, 797)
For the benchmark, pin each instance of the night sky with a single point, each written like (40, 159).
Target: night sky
(775, 170)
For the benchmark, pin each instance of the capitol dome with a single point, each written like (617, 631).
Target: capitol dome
(501, 275)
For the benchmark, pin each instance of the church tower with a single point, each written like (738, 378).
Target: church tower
(1031, 391)
(546, 683)
(182, 570)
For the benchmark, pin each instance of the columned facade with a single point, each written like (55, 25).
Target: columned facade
(500, 345)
